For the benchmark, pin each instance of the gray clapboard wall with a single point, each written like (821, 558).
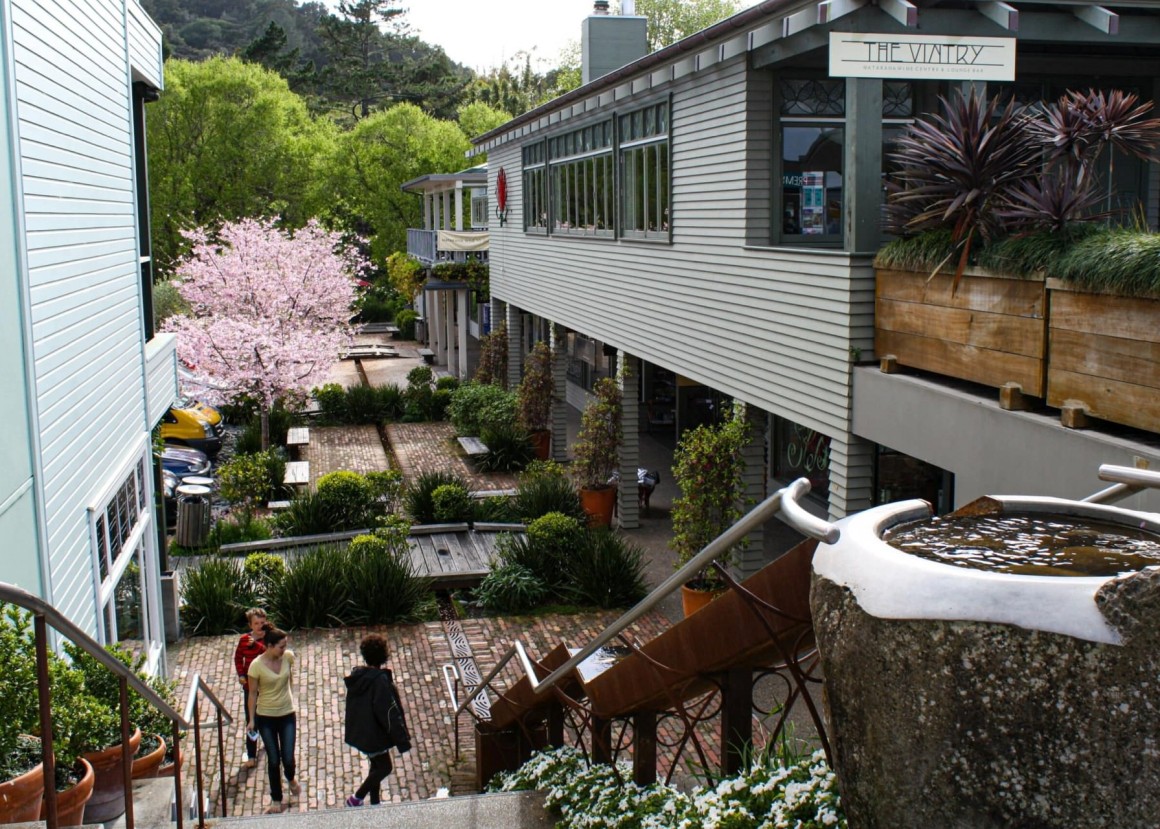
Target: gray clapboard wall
(72, 65)
(772, 327)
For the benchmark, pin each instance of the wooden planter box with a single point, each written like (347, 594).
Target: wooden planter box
(1105, 355)
(992, 331)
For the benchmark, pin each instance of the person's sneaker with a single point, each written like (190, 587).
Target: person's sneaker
(354, 801)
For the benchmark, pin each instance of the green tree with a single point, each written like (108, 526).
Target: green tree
(373, 160)
(269, 50)
(229, 140)
(477, 118)
(671, 20)
(358, 62)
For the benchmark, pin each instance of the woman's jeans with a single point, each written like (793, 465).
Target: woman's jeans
(278, 734)
(251, 745)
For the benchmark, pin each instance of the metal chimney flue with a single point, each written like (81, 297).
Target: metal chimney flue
(628, 7)
(600, 7)
(610, 41)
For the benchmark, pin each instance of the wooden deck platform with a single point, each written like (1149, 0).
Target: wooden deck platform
(451, 555)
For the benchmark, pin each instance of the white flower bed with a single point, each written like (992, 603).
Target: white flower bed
(768, 796)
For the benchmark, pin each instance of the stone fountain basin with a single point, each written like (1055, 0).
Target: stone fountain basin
(965, 699)
(891, 584)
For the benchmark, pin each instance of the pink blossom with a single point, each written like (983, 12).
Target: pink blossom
(269, 309)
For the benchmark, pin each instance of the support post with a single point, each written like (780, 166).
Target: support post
(515, 337)
(863, 164)
(448, 299)
(736, 719)
(752, 558)
(555, 724)
(644, 749)
(434, 321)
(461, 330)
(629, 494)
(851, 464)
(559, 393)
(601, 740)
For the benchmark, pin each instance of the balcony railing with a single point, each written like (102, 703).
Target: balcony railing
(424, 246)
(160, 375)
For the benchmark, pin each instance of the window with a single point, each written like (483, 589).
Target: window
(800, 452)
(122, 545)
(581, 181)
(644, 172)
(535, 187)
(813, 146)
(479, 210)
(813, 114)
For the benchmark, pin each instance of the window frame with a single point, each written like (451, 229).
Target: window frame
(632, 143)
(534, 175)
(573, 158)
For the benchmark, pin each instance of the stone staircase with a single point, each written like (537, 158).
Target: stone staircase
(514, 810)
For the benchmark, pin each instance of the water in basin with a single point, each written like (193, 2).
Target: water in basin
(1029, 544)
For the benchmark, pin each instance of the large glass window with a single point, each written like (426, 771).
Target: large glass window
(644, 172)
(122, 545)
(801, 452)
(535, 187)
(581, 181)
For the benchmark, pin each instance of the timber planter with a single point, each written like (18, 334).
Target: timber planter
(1104, 354)
(992, 330)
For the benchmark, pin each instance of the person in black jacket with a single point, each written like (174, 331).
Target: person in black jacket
(374, 717)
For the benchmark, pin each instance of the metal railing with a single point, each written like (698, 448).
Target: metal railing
(1126, 482)
(44, 615)
(785, 500)
(193, 715)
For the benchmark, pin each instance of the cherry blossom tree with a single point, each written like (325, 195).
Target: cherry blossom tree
(269, 310)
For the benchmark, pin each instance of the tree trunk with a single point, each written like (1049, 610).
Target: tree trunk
(265, 429)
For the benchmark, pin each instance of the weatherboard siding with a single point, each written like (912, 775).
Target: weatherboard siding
(72, 77)
(772, 327)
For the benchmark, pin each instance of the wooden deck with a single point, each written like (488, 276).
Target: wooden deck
(451, 555)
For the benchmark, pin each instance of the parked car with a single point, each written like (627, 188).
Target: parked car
(169, 483)
(184, 461)
(202, 411)
(184, 427)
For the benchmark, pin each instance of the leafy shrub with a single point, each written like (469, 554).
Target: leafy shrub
(332, 405)
(606, 570)
(419, 396)
(440, 400)
(405, 321)
(239, 528)
(362, 403)
(556, 534)
(314, 592)
(452, 503)
(386, 489)
(262, 572)
(250, 440)
(511, 588)
(475, 407)
(419, 498)
(306, 515)
(390, 402)
(493, 353)
(349, 500)
(509, 449)
(383, 586)
(447, 384)
(548, 570)
(214, 597)
(167, 301)
(538, 494)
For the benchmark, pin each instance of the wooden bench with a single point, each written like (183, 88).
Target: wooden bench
(297, 473)
(369, 351)
(278, 506)
(428, 356)
(298, 436)
(473, 447)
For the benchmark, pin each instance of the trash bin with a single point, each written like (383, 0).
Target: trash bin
(420, 330)
(193, 515)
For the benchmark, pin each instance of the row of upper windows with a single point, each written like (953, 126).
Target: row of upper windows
(606, 179)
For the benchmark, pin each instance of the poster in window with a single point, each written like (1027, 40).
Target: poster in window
(813, 216)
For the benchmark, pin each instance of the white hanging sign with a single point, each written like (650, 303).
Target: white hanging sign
(949, 57)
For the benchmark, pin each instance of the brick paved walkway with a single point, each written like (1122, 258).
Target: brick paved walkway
(431, 447)
(356, 448)
(329, 770)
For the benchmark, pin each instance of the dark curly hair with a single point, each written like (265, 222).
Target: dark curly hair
(374, 650)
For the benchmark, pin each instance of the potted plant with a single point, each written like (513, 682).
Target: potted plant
(596, 452)
(707, 466)
(21, 771)
(536, 394)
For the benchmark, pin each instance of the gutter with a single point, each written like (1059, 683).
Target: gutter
(691, 43)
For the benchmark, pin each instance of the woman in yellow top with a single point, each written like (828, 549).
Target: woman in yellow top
(271, 713)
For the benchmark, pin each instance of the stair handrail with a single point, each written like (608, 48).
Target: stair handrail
(785, 500)
(1127, 481)
(45, 614)
(193, 715)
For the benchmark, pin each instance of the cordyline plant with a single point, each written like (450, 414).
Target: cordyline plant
(536, 389)
(493, 350)
(708, 466)
(984, 173)
(269, 310)
(596, 452)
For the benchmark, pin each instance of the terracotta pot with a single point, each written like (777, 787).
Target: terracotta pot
(146, 766)
(108, 800)
(70, 804)
(20, 796)
(542, 443)
(693, 599)
(167, 769)
(598, 504)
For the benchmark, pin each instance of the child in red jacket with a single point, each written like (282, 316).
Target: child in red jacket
(374, 717)
(250, 647)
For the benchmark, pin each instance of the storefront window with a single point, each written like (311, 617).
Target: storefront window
(800, 452)
(899, 477)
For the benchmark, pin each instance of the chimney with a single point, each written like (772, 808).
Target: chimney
(608, 42)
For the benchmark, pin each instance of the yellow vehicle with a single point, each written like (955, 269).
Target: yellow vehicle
(199, 410)
(185, 428)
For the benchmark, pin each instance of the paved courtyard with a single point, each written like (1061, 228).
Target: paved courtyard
(329, 770)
